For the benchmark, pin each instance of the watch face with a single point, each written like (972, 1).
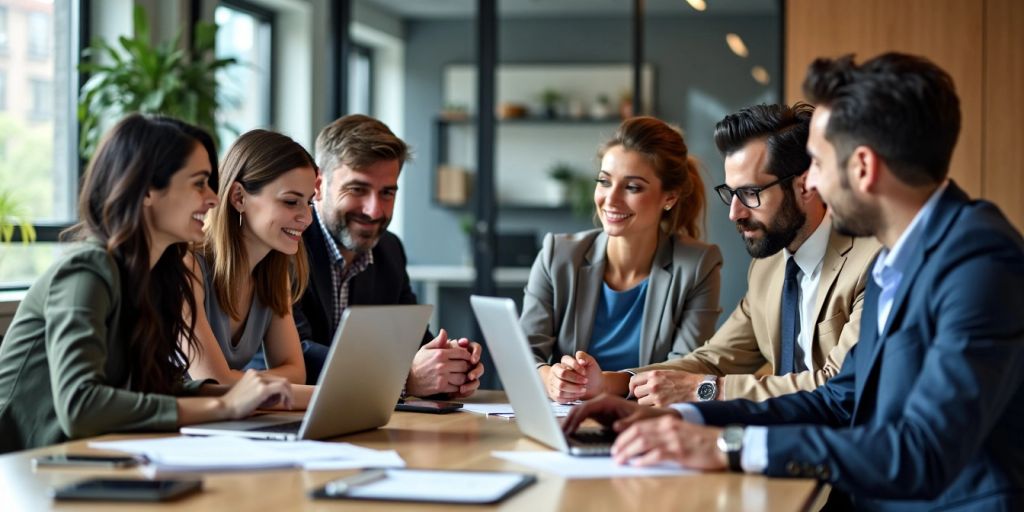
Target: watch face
(706, 391)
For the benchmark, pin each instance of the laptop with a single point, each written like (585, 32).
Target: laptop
(511, 353)
(362, 379)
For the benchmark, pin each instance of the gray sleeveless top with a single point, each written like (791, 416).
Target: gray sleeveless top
(253, 331)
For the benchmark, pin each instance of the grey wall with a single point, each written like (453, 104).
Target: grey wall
(698, 81)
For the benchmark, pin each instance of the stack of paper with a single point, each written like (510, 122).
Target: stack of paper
(216, 453)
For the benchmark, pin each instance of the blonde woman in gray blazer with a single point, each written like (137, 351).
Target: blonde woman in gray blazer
(642, 288)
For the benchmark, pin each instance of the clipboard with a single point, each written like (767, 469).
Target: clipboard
(427, 486)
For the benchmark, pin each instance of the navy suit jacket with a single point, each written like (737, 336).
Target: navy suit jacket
(930, 414)
(384, 282)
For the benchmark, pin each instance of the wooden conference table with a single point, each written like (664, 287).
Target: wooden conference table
(454, 441)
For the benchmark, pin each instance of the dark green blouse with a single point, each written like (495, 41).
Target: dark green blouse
(63, 372)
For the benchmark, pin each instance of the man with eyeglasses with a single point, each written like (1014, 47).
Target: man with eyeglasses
(801, 313)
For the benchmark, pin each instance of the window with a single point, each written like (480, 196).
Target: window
(40, 37)
(244, 31)
(360, 85)
(3, 29)
(38, 162)
(41, 92)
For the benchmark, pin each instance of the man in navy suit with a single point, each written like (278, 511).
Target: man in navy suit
(928, 409)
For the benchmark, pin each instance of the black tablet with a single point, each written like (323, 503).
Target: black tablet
(107, 489)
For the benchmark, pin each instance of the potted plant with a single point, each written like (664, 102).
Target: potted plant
(601, 108)
(13, 216)
(138, 76)
(551, 99)
(562, 176)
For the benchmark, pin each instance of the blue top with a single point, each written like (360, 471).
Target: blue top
(617, 322)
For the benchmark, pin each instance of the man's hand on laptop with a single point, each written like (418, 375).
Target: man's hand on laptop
(443, 367)
(650, 435)
(613, 412)
(663, 387)
(257, 390)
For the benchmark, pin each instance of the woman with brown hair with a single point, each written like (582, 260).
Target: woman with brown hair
(641, 290)
(252, 264)
(94, 346)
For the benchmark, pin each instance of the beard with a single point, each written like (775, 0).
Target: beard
(782, 231)
(851, 217)
(360, 239)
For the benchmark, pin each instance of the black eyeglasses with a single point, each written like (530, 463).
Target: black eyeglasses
(749, 196)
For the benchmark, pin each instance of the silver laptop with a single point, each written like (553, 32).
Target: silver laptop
(362, 379)
(511, 353)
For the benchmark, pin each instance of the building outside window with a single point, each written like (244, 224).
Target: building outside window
(39, 166)
(40, 37)
(245, 32)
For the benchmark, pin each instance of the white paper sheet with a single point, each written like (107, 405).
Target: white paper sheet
(434, 485)
(215, 453)
(586, 467)
(504, 410)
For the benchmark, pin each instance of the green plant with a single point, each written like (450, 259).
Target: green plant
(550, 97)
(581, 196)
(562, 172)
(12, 216)
(151, 79)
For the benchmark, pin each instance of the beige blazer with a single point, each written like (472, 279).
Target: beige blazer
(747, 345)
(680, 309)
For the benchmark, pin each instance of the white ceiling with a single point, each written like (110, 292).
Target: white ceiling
(574, 8)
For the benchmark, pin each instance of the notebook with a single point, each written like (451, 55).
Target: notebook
(425, 485)
(362, 379)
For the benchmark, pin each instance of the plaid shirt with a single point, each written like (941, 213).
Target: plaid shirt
(341, 274)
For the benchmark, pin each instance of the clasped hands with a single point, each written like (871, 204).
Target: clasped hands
(446, 365)
(579, 377)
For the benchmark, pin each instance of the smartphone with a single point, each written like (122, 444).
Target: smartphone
(95, 461)
(430, 406)
(103, 489)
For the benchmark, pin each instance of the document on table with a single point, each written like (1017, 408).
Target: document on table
(586, 467)
(216, 453)
(437, 486)
(504, 410)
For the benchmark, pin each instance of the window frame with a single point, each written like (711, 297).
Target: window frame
(362, 50)
(268, 16)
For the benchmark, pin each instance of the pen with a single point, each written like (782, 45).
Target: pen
(341, 486)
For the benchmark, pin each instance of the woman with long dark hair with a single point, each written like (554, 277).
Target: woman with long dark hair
(93, 347)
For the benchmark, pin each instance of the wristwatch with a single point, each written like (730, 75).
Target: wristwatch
(730, 442)
(708, 389)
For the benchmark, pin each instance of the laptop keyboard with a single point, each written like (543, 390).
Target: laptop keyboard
(285, 428)
(597, 437)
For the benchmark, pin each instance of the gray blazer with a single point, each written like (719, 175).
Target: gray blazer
(561, 296)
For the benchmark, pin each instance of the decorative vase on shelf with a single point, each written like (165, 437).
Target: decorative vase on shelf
(601, 109)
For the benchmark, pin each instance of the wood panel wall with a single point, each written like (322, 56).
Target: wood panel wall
(980, 43)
